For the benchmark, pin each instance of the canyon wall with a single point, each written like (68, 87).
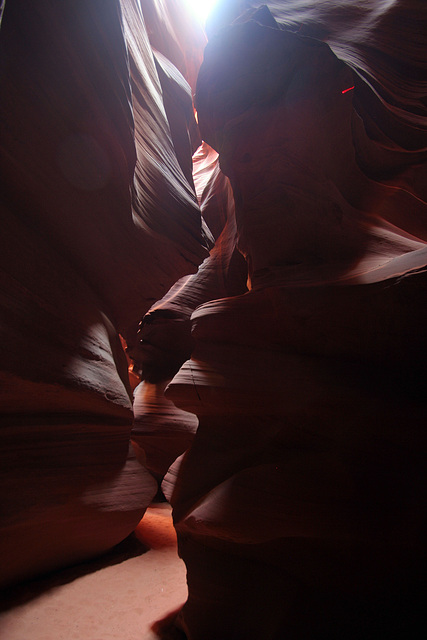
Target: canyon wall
(298, 505)
(285, 374)
(99, 219)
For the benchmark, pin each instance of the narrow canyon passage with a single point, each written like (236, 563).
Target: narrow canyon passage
(213, 267)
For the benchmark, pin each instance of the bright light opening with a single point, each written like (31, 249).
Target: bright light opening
(201, 8)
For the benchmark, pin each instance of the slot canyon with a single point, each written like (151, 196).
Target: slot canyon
(213, 258)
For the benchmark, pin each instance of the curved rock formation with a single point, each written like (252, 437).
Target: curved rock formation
(298, 506)
(176, 34)
(161, 432)
(298, 503)
(99, 219)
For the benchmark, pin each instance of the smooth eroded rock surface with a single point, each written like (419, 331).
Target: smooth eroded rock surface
(298, 506)
(99, 219)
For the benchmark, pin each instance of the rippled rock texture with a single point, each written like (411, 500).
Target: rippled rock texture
(161, 431)
(99, 219)
(298, 505)
(286, 373)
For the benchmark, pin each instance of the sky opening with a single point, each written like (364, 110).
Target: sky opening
(201, 8)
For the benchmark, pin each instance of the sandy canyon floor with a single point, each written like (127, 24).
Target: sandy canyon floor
(117, 597)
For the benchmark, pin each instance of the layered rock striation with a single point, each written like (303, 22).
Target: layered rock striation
(161, 432)
(99, 219)
(298, 505)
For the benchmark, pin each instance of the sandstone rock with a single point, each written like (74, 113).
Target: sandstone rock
(175, 32)
(298, 504)
(98, 221)
(161, 431)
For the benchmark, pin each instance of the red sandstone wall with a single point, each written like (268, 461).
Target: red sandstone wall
(99, 219)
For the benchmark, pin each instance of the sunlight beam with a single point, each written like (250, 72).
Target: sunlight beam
(200, 8)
